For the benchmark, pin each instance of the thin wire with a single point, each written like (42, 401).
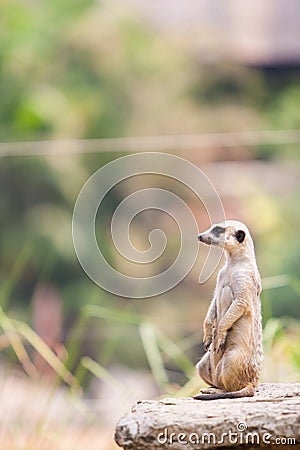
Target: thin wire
(171, 143)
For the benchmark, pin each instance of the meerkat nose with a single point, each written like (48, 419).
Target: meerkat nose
(200, 237)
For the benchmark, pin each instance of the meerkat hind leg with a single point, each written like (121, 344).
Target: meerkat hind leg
(204, 368)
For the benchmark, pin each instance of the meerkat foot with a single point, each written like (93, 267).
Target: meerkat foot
(247, 391)
(211, 390)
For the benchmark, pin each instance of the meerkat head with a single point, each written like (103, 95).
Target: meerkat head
(231, 235)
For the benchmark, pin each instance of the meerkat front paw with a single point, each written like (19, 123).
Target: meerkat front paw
(207, 338)
(207, 342)
(221, 342)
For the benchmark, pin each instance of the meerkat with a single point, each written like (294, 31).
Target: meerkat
(232, 327)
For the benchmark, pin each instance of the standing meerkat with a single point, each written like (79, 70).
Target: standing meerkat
(232, 327)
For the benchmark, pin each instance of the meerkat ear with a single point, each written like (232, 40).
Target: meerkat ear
(240, 236)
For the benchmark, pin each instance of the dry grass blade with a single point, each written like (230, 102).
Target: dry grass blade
(149, 340)
(101, 373)
(46, 353)
(174, 352)
(17, 345)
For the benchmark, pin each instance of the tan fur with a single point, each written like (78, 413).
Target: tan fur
(232, 327)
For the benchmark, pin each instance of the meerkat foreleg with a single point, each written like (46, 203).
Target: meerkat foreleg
(234, 312)
(209, 323)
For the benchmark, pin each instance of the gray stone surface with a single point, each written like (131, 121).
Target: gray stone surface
(271, 419)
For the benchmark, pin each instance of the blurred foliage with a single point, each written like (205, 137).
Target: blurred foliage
(72, 69)
(79, 69)
(229, 83)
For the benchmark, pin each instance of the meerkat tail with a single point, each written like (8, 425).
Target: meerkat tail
(247, 391)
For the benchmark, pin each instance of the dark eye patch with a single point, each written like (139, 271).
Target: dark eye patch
(218, 230)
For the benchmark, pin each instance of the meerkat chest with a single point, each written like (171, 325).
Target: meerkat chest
(225, 279)
(224, 292)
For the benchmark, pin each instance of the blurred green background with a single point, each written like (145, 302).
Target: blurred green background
(74, 73)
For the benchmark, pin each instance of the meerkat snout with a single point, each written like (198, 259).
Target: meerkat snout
(205, 238)
(214, 236)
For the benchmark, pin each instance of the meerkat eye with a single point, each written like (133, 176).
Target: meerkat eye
(218, 230)
(240, 236)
